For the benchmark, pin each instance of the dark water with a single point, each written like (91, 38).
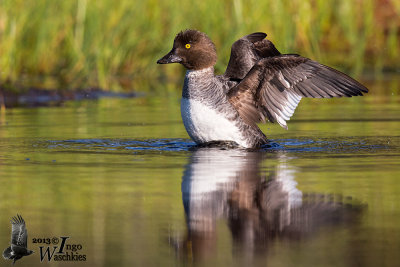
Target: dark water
(121, 178)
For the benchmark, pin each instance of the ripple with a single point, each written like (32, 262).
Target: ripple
(128, 145)
(330, 145)
(349, 145)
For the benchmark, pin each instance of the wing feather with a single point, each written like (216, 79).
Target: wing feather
(246, 52)
(19, 234)
(275, 85)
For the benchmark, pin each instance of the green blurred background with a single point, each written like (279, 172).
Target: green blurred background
(114, 44)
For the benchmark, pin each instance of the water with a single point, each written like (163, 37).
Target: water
(121, 178)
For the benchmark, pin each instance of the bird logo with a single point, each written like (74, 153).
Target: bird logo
(19, 240)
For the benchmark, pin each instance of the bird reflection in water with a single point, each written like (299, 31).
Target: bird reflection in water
(259, 205)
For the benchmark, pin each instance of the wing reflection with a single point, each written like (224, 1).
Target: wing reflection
(258, 208)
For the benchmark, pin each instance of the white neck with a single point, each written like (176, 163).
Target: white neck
(200, 73)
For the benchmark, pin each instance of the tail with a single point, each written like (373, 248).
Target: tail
(7, 253)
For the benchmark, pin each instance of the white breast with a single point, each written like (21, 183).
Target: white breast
(204, 124)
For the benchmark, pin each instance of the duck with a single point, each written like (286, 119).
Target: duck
(259, 84)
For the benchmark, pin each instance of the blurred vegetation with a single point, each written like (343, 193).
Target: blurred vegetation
(114, 44)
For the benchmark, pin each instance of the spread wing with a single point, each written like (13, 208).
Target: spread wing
(246, 52)
(19, 234)
(275, 85)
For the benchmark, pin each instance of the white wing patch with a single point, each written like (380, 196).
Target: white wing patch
(286, 111)
(283, 80)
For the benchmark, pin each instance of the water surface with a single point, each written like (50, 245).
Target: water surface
(121, 178)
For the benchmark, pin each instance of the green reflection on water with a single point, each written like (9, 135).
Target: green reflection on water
(124, 203)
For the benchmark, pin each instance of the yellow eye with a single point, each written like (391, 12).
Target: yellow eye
(187, 46)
